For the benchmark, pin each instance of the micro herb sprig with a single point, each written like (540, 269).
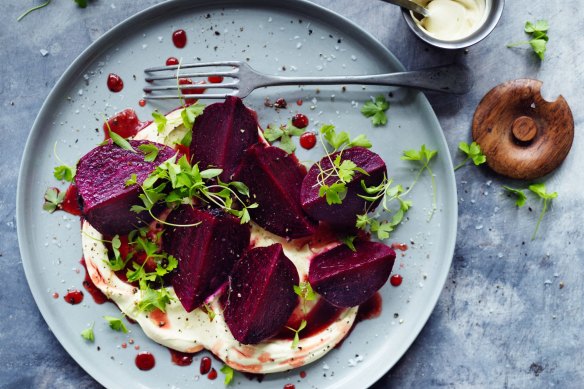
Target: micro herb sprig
(117, 139)
(540, 191)
(32, 9)
(160, 121)
(53, 199)
(375, 109)
(117, 262)
(63, 172)
(306, 293)
(284, 134)
(539, 37)
(341, 171)
(188, 115)
(88, 333)
(473, 152)
(116, 324)
(187, 182)
(386, 193)
(228, 371)
(210, 312)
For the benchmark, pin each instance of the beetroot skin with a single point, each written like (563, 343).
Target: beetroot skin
(342, 215)
(104, 198)
(347, 278)
(274, 178)
(262, 296)
(221, 135)
(206, 253)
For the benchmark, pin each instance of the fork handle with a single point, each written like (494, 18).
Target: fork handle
(455, 79)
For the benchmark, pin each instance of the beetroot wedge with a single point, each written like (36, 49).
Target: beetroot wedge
(262, 295)
(206, 253)
(347, 278)
(274, 178)
(103, 195)
(344, 214)
(221, 135)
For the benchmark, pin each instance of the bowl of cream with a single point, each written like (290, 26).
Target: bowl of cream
(454, 24)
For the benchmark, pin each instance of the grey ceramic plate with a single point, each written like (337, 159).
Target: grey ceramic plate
(291, 37)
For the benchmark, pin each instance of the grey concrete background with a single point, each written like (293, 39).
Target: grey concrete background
(511, 312)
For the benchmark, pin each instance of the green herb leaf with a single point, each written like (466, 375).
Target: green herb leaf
(160, 120)
(116, 324)
(187, 139)
(81, 3)
(53, 199)
(32, 10)
(190, 113)
(150, 151)
(284, 135)
(228, 371)
(88, 334)
(521, 197)
(64, 173)
(539, 37)
(120, 141)
(296, 339)
(540, 190)
(376, 110)
(305, 291)
(473, 152)
(334, 193)
(349, 242)
(151, 299)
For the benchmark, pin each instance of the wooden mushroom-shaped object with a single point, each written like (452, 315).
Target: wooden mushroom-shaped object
(522, 135)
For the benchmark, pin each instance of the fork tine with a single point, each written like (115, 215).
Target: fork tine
(193, 96)
(188, 75)
(231, 85)
(192, 65)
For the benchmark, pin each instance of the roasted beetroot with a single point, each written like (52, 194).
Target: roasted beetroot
(344, 214)
(274, 178)
(221, 135)
(206, 253)
(261, 298)
(347, 278)
(104, 198)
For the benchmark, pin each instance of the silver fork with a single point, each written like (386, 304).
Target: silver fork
(244, 79)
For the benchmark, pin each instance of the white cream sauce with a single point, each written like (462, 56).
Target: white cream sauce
(451, 20)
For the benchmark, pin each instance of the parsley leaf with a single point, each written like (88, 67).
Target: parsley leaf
(284, 134)
(376, 110)
(189, 114)
(349, 242)
(541, 192)
(116, 324)
(339, 139)
(88, 334)
(150, 151)
(539, 37)
(64, 173)
(296, 339)
(160, 121)
(521, 197)
(120, 141)
(473, 152)
(53, 199)
(305, 291)
(228, 371)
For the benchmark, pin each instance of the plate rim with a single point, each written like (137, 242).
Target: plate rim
(103, 43)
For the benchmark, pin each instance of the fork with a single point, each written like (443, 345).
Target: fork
(244, 79)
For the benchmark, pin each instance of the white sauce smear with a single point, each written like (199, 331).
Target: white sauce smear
(451, 20)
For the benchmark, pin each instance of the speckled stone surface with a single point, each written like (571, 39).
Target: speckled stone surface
(511, 312)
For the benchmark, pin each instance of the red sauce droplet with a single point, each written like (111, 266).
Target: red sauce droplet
(300, 121)
(55, 295)
(281, 103)
(299, 102)
(215, 79)
(70, 203)
(396, 280)
(74, 297)
(179, 38)
(114, 83)
(289, 386)
(308, 140)
(205, 365)
(124, 345)
(179, 358)
(187, 91)
(303, 374)
(212, 374)
(90, 287)
(399, 246)
(145, 361)
(142, 103)
(171, 61)
(125, 124)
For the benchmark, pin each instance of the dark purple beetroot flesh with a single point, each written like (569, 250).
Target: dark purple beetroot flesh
(344, 214)
(347, 278)
(262, 295)
(274, 178)
(103, 195)
(206, 253)
(221, 135)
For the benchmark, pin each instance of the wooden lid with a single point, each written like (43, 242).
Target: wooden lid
(522, 135)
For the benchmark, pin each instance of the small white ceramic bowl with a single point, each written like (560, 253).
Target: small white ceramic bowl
(493, 8)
